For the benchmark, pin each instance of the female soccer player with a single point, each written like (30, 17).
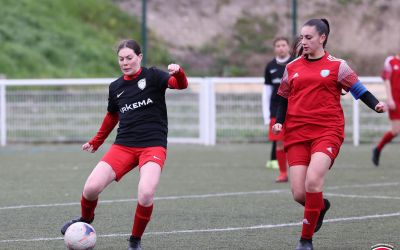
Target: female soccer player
(314, 122)
(273, 75)
(137, 101)
(391, 76)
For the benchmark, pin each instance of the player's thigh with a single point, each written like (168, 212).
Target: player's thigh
(297, 178)
(150, 174)
(319, 166)
(99, 178)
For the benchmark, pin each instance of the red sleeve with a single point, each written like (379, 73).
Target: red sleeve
(178, 80)
(109, 122)
(284, 88)
(346, 76)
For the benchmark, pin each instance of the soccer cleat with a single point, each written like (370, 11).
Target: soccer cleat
(322, 214)
(304, 245)
(282, 178)
(273, 164)
(134, 244)
(69, 223)
(376, 153)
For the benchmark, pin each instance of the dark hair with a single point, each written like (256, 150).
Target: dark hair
(297, 48)
(280, 38)
(132, 44)
(322, 27)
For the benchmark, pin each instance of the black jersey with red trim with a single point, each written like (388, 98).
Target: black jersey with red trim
(142, 110)
(273, 75)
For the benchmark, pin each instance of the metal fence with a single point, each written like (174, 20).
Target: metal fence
(211, 110)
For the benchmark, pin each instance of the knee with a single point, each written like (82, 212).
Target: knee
(91, 190)
(299, 197)
(313, 185)
(146, 195)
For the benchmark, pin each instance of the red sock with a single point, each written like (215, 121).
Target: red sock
(87, 209)
(281, 157)
(386, 138)
(314, 203)
(142, 217)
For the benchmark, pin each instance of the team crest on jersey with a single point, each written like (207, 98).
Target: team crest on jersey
(325, 72)
(396, 67)
(141, 84)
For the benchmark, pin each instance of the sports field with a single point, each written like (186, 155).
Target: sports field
(218, 197)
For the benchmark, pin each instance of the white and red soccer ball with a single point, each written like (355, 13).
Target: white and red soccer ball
(80, 236)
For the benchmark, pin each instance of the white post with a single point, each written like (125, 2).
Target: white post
(203, 112)
(356, 123)
(207, 112)
(212, 115)
(3, 128)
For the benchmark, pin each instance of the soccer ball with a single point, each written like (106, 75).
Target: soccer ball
(80, 236)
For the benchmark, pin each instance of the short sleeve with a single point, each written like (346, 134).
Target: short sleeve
(112, 105)
(160, 77)
(284, 88)
(346, 76)
(387, 69)
(267, 76)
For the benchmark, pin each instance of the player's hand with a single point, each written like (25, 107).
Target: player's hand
(380, 107)
(391, 104)
(173, 68)
(277, 128)
(88, 147)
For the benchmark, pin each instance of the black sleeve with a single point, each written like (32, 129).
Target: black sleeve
(282, 109)
(112, 106)
(370, 100)
(161, 77)
(267, 76)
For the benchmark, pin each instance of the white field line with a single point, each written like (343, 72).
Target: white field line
(228, 229)
(200, 196)
(363, 196)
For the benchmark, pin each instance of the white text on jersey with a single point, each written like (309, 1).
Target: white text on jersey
(135, 105)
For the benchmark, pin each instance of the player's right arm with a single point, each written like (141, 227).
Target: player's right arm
(109, 122)
(283, 95)
(266, 96)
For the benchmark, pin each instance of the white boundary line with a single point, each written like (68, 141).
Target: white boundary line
(204, 196)
(213, 230)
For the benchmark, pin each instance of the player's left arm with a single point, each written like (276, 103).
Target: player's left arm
(177, 79)
(350, 82)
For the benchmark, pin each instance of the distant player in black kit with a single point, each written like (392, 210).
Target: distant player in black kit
(137, 101)
(273, 75)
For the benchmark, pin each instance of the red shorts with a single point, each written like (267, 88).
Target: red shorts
(300, 153)
(123, 159)
(395, 114)
(272, 136)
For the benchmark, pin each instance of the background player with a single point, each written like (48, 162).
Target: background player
(314, 122)
(391, 76)
(137, 101)
(273, 75)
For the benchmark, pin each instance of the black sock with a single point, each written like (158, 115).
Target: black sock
(273, 151)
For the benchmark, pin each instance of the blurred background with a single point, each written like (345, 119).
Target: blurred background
(55, 38)
(57, 58)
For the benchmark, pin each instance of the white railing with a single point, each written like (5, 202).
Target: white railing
(211, 110)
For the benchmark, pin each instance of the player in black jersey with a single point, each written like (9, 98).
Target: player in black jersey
(137, 101)
(273, 75)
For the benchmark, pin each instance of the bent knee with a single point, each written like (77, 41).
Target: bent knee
(92, 190)
(146, 196)
(299, 197)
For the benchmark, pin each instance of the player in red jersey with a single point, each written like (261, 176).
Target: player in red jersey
(137, 101)
(311, 112)
(391, 76)
(273, 75)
